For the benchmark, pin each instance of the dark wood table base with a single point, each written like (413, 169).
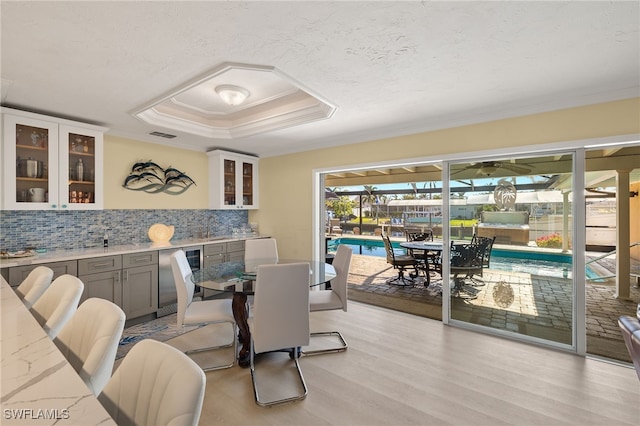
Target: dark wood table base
(240, 313)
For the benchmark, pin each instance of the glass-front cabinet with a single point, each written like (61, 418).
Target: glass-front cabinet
(50, 163)
(234, 181)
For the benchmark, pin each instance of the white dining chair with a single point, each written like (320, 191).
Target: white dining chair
(199, 313)
(333, 299)
(90, 340)
(155, 384)
(280, 322)
(34, 285)
(260, 251)
(58, 303)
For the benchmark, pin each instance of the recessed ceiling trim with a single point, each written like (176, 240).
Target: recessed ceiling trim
(277, 102)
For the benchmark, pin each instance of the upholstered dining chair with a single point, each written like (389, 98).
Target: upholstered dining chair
(336, 298)
(630, 328)
(401, 263)
(58, 303)
(90, 340)
(155, 384)
(258, 250)
(280, 322)
(198, 313)
(34, 285)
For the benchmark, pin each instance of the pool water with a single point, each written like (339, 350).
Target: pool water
(543, 264)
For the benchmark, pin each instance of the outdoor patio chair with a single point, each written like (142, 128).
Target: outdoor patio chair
(426, 259)
(335, 227)
(401, 263)
(484, 247)
(466, 259)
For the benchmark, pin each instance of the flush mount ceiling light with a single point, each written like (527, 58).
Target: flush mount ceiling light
(232, 95)
(266, 101)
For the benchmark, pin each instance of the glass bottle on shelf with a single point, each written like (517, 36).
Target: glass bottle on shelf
(80, 170)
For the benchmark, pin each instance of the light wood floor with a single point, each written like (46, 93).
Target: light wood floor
(402, 369)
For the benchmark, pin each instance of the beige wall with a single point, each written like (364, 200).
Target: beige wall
(285, 181)
(121, 154)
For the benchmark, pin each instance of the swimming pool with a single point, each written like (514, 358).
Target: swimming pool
(536, 263)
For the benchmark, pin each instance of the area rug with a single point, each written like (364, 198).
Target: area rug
(161, 329)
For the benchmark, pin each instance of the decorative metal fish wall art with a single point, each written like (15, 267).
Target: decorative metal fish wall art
(151, 178)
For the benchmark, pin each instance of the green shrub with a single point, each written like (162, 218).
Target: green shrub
(550, 241)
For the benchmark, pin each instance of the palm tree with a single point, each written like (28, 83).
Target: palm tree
(369, 198)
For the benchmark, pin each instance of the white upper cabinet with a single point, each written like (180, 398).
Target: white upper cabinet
(233, 181)
(50, 163)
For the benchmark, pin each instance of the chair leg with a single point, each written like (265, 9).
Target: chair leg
(343, 347)
(234, 343)
(459, 292)
(296, 358)
(401, 280)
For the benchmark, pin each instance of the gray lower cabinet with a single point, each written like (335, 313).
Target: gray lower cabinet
(130, 281)
(215, 254)
(17, 274)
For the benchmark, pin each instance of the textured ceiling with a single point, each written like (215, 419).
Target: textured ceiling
(390, 68)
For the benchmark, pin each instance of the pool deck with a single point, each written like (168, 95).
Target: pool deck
(539, 305)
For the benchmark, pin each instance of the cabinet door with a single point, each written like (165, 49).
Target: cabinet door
(247, 176)
(81, 166)
(235, 251)
(18, 273)
(30, 163)
(214, 254)
(105, 285)
(140, 291)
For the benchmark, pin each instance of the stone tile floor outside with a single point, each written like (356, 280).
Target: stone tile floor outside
(538, 306)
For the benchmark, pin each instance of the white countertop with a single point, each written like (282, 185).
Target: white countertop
(63, 255)
(38, 385)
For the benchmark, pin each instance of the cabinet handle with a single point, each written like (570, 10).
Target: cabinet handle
(53, 206)
(126, 276)
(100, 265)
(118, 276)
(64, 206)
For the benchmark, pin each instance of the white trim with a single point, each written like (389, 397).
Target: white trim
(511, 152)
(579, 248)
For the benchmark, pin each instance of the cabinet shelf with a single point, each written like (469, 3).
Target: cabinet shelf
(81, 154)
(31, 147)
(30, 179)
(81, 182)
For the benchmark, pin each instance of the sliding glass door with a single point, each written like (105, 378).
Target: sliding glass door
(512, 263)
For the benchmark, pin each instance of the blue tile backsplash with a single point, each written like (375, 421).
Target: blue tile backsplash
(81, 229)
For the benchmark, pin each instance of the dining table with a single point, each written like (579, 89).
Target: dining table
(241, 281)
(38, 384)
(428, 249)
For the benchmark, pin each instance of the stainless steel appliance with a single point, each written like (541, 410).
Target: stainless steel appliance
(167, 298)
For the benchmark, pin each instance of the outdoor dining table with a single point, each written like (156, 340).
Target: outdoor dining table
(241, 282)
(425, 247)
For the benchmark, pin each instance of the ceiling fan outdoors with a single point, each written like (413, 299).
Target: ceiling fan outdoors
(487, 168)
